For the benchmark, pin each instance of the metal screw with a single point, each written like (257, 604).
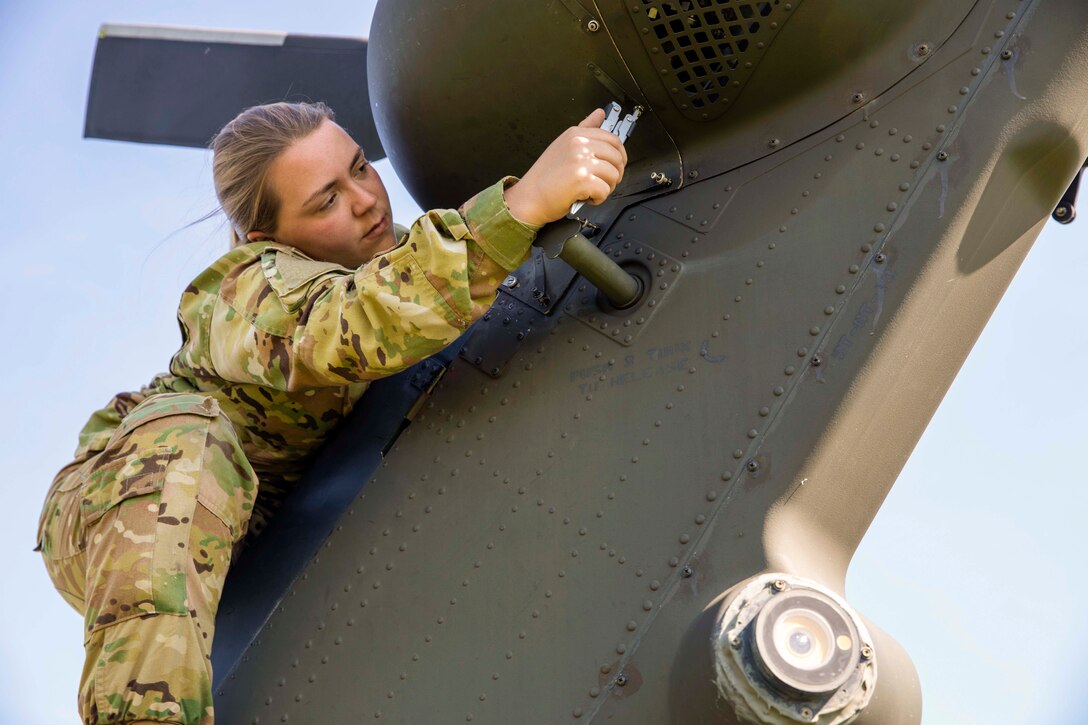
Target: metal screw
(510, 282)
(693, 174)
(858, 97)
(817, 360)
(753, 466)
(779, 585)
(866, 652)
(806, 713)
(1006, 55)
(660, 179)
(1061, 212)
(881, 258)
(774, 143)
(734, 642)
(922, 50)
(621, 679)
(942, 156)
(593, 25)
(687, 571)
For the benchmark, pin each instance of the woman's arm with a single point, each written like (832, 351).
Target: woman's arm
(293, 323)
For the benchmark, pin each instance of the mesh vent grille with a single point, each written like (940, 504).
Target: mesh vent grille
(705, 50)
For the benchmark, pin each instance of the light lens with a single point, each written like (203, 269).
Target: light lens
(803, 639)
(805, 642)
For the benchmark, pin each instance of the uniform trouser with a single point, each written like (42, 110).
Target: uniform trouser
(138, 538)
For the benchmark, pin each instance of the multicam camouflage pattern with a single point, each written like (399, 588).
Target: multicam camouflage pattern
(138, 538)
(138, 531)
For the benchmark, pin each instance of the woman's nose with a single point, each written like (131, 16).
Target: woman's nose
(362, 200)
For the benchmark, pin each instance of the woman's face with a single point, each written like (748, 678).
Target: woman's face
(333, 205)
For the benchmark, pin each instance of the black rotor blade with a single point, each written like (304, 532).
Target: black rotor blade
(179, 86)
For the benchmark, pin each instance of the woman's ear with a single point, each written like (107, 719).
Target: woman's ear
(258, 236)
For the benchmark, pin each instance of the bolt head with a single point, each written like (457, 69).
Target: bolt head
(779, 585)
(593, 25)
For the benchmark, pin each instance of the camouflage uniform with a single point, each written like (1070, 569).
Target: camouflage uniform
(138, 531)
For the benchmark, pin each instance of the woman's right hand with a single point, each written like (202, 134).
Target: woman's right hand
(585, 163)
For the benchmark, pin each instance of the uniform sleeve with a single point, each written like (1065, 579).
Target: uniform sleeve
(292, 323)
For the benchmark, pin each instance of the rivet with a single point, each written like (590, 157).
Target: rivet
(632, 626)
(986, 50)
(908, 138)
(779, 391)
(860, 145)
(655, 585)
(790, 370)
(942, 156)
(711, 495)
(904, 186)
(999, 34)
(840, 138)
(764, 411)
(700, 520)
(1006, 55)
(953, 108)
(879, 227)
(674, 562)
(684, 538)
(840, 289)
(725, 477)
(621, 648)
(753, 433)
(878, 152)
(853, 269)
(829, 310)
(577, 712)
(738, 454)
(814, 330)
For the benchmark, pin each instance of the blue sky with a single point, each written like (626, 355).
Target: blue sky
(973, 563)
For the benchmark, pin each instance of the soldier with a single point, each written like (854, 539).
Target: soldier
(318, 295)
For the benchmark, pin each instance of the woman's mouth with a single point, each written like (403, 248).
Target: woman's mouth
(378, 229)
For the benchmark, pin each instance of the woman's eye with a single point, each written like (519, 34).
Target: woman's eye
(328, 202)
(362, 168)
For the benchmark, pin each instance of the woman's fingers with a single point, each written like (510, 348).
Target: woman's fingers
(593, 120)
(596, 190)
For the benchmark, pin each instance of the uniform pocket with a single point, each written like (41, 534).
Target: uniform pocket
(122, 479)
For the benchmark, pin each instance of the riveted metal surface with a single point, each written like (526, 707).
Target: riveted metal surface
(532, 539)
(658, 274)
(495, 339)
(707, 50)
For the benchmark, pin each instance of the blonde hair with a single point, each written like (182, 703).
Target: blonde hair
(244, 150)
